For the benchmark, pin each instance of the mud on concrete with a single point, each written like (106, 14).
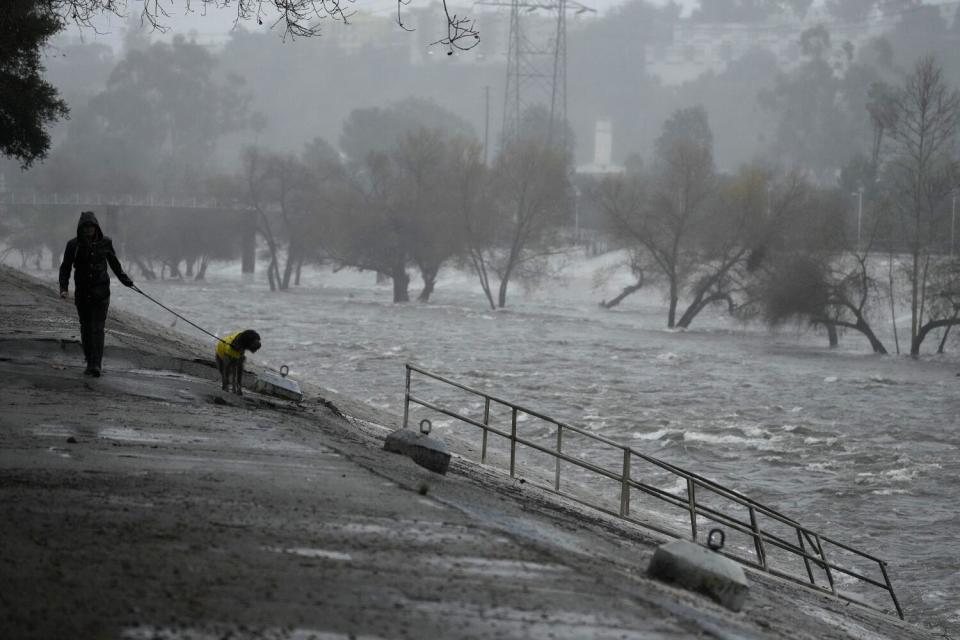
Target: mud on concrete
(148, 504)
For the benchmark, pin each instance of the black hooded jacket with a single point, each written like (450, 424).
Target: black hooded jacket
(89, 261)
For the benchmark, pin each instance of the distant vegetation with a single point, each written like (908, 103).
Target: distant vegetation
(819, 190)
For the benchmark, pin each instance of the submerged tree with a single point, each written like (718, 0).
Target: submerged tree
(424, 196)
(396, 213)
(530, 199)
(663, 213)
(814, 273)
(291, 196)
(921, 174)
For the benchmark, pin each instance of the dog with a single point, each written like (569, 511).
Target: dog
(231, 354)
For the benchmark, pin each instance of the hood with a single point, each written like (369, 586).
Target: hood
(88, 217)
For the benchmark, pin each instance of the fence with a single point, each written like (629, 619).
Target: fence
(762, 530)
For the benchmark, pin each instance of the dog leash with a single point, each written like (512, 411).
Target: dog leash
(283, 370)
(160, 304)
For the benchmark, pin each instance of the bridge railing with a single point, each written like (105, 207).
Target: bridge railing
(35, 198)
(815, 560)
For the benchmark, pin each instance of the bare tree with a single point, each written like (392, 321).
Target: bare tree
(405, 207)
(422, 196)
(920, 175)
(258, 175)
(814, 271)
(366, 227)
(662, 213)
(637, 266)
(469, 180)
(530, 194)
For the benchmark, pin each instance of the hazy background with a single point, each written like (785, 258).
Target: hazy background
(631, 64)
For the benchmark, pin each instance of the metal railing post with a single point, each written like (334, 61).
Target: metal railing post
(886, 579)
(826, 564)
(486, 423)
(513, 442)
(814, 556)
(757, 540)
(406, 400)
(556, 480)
(625, 485)
(806, 560)
(692, 506)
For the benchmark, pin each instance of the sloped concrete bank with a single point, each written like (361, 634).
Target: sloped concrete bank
(146, 504)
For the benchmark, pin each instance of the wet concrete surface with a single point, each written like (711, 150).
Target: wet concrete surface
(147, 504)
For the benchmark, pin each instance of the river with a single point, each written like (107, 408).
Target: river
(860, 446)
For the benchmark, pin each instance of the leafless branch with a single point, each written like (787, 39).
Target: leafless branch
(461, 34)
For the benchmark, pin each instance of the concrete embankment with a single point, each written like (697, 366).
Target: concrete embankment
(146, 504)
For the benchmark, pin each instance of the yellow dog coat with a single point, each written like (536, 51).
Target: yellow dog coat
(225, 347)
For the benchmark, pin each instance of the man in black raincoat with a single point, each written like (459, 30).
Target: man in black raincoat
(88, 255)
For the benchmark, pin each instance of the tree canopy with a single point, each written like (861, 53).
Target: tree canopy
(28, 103)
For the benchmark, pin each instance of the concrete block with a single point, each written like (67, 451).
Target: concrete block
(279, 385)
(699, 569)
(422, 449)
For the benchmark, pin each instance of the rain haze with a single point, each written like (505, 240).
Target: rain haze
(722, 233)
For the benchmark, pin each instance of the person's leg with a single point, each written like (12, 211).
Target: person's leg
(98, 319)
(86, 339)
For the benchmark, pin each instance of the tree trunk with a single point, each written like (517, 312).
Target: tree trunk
(832, 337)
(505, 281)
(915, 339)
(190, 262)
(893, 312)
(202, 271)
(694, 310)
(296, 280)
(145, 270)
(633, 288)
(271, 278)
(946, 334)
(401, 282)
(292, 256)
(875, 343)
(502, 292)
(927, 328)
(480, 268)
(429, 276)
(273, 269)
(674, 298)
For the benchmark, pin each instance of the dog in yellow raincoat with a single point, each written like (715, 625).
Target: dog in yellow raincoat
(231, 354)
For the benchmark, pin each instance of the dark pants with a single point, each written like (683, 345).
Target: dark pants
(93, 316)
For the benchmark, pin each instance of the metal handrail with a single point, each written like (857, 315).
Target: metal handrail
(816, 557)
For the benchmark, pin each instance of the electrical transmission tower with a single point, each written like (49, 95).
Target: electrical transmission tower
(537, 65)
